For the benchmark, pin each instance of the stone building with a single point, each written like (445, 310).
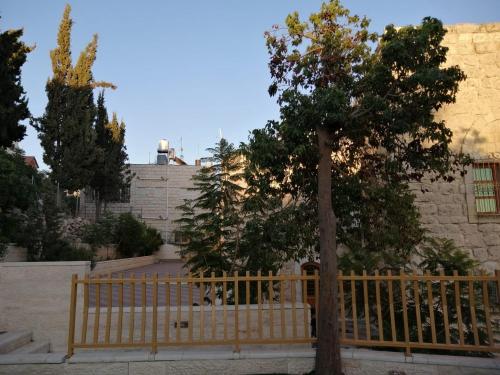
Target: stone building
(468, 209)
(156, 191)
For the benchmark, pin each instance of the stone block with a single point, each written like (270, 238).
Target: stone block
(147, 368)
(96, 368)
(486, 47)
(480, 254)
(491, 239)
(428, 209)
(488, 228)
(452, 228)
(452, 219)
(468, 229)
(450, 209)
(494, 253)
(474, 241)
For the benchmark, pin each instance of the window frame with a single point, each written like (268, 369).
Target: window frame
(494, 182)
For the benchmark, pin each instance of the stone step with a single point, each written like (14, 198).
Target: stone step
(10, 341)
(33, 347)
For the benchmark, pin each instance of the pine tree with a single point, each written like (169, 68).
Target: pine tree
(66, 130)
(213, 221)
(13, 103)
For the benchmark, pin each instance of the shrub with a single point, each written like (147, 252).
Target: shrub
(132, 236)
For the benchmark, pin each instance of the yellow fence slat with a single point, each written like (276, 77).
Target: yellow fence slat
(443, 293)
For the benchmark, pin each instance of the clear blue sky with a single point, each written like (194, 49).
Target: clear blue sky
(187, 68)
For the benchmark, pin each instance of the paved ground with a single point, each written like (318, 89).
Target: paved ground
(172, 268)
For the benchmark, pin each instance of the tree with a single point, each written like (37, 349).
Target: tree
(111, 174)
(18, 193)
(345, 104)
(13, 102)
(66, 129)
(213, 221)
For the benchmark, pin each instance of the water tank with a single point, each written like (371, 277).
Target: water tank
(163, 146)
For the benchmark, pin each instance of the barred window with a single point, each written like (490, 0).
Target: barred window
(486, 188)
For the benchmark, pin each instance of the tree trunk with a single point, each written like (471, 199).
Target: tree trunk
(328, 352)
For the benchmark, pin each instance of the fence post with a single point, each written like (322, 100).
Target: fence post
(154, 334)
(497, 274)
(236, 314)
(405, 313)
(72, 315)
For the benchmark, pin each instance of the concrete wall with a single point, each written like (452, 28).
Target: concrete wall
(118, 265)
(155, 193)
(448, 209)
(36, 296)
(289, 360)
(15, 254)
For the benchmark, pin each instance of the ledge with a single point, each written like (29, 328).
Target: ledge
(38, 358)
(225, 353)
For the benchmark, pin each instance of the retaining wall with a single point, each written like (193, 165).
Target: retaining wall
(118, 265)
(36, 296)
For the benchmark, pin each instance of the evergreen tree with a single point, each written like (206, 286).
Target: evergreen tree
(13, 103)
(213, 221)
(111, 174)
(66, 130)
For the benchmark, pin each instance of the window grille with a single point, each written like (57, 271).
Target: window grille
(486, 188)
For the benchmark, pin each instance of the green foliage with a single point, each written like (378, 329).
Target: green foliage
(347, 107)
(233, 226)
(434, 255)
(13, 103)
(102, 232)
(110, 170)
(442, 254)
(66, 129)
(133, 237)
(213, 221)
(18, 194)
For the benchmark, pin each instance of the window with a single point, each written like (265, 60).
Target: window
(486, 188)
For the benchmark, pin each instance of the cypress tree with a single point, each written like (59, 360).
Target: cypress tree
(111, 172)
(13, 103)
(66, 130)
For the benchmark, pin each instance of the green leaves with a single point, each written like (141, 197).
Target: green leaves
(13, 103)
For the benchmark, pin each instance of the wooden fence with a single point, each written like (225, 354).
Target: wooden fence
(443, 312)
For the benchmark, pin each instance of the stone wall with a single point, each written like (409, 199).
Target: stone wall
(448, 209)
(285, 360)
(155, 193)
(118, 265)
(36, 296)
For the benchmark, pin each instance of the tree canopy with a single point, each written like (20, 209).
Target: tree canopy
(354, 106)
(13, 102)
(66, 129)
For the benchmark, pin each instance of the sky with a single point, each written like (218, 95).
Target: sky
(189, 69)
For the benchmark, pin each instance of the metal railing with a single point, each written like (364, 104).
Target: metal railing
(443, 312)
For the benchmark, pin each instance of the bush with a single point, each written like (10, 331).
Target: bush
(132, 236)
(102, 232)
(61, 250)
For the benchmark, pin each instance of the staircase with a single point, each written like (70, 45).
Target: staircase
(19, 343)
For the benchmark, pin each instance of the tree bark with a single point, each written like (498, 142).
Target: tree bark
(328, 352)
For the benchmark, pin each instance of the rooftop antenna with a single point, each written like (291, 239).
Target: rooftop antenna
(182, 149)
